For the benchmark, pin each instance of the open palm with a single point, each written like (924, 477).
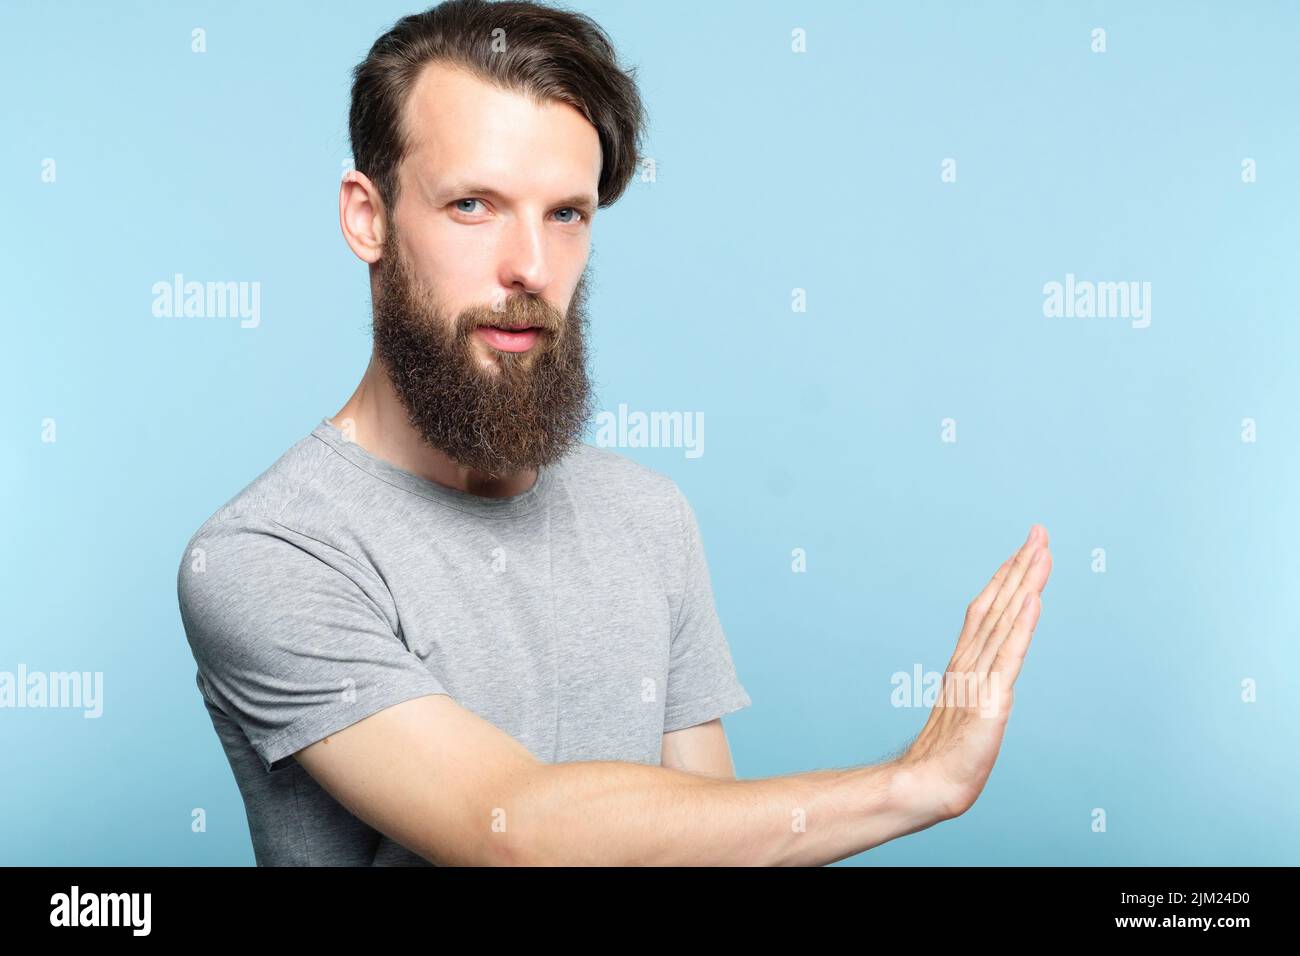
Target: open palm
(954, 753)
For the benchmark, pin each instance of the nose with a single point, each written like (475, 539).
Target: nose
(523, 257)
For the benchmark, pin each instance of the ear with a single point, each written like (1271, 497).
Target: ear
(361, 216)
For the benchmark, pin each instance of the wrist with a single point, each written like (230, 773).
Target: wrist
(914, 795)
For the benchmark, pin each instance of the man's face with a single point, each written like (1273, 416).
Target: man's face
(495, 207)
(512, 411)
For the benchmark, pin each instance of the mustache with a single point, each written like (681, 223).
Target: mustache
(517, 310)
(521, 310)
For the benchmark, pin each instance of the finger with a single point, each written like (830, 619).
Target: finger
(1007, 589)
(1031, 586)
(1011, 655)
(979, 607)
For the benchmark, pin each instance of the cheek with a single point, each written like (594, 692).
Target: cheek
(450, 243)
(462, 274)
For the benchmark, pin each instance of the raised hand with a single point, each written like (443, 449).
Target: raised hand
(950, 760)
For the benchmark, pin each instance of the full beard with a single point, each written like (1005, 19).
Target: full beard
(526, 412)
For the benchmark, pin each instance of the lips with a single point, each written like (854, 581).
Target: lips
(507, 339)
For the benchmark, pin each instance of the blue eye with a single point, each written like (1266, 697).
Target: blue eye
(576, 215)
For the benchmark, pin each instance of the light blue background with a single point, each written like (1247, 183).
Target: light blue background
(776, 171)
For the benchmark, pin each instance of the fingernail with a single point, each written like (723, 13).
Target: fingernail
(1031, 534)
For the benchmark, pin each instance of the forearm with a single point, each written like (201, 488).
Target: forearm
(615, 813)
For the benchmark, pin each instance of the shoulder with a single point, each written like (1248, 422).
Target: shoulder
(268, 495)
(250, 547)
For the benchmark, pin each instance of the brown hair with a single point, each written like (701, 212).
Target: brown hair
(551, 54)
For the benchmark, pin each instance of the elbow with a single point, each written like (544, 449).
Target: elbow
(473, 848)
(498, 834)
(519, 820)
(507, 850)
(501, 845)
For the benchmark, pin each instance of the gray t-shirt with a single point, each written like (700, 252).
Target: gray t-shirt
(577, 616)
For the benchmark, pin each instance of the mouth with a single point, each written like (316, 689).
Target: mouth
(518, 338)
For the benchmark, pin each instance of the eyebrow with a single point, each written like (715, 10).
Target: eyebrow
(583, 202)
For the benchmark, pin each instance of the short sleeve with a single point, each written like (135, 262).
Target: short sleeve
(294, 639)
(702, 681)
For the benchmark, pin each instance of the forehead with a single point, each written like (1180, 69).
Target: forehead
(459, 126)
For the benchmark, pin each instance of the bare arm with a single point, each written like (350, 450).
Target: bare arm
(699, 749)
(453, 788)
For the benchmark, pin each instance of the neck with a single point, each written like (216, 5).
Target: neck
(379, 424)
